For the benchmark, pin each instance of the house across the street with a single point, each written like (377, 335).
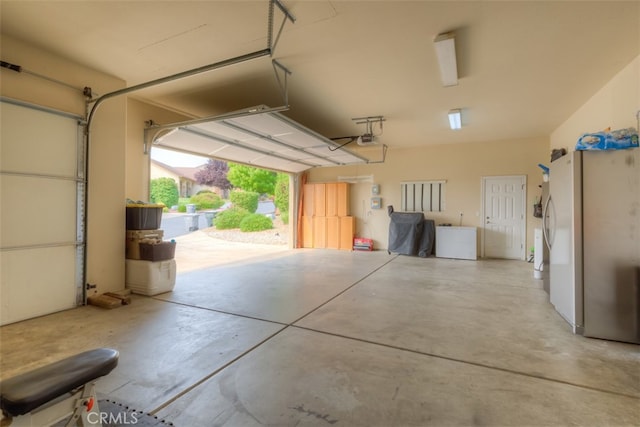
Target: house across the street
(185, 177)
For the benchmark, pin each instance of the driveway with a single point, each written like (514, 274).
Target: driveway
(197, 250)
(178, 224)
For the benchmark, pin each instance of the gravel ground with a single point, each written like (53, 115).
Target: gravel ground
(278, 235)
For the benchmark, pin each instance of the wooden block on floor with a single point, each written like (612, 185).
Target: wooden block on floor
(124, 299)
(104, 301)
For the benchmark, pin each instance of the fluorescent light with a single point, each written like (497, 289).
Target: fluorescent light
(446, 53)
(455, 119)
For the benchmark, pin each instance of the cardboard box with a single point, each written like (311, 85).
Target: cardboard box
(135, 237)
(157, 252)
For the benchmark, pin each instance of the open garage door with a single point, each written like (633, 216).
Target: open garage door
(257, 136)
(42, 191)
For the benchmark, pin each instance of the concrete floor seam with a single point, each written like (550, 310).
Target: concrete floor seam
(214, 373)
(244, 316)
(274, 321)
(344, 290)
(256, 346)
(467, 362)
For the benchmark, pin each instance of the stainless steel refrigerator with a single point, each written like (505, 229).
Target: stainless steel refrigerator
(591, 222)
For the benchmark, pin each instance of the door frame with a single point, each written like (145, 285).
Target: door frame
(523, 221)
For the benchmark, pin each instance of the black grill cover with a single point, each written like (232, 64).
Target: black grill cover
(427, 239)
(405, 231)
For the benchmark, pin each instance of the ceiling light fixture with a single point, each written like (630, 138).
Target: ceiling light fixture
(446, 52)
(455, 119)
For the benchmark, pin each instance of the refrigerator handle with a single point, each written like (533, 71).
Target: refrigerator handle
(545, 233)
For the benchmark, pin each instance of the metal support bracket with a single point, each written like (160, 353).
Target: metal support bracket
(282, 83)
(384, 156)
(369, 122)
(287, 15)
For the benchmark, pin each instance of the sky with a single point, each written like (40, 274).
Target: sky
(175, 159)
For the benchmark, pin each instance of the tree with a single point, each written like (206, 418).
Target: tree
(214, 174)
(252, 179)
(165, 191)
(281, 193)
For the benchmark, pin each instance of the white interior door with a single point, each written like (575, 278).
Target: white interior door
(41, 197)
(504, 225)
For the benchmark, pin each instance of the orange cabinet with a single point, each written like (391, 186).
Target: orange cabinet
(333, 232)
(325, 216)
(337, 198)
(319, 232)
(347, 231)
(342, 195)
(307, 200)
(331, 197)
(307, 232)
(319, 200)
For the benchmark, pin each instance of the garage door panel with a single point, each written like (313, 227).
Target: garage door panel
(41, 199)
(225, 132)
(253, 137)
(48, 282)
(191, 142)
(271, 147)
(37, 211)
(37, 142)
(280, 164)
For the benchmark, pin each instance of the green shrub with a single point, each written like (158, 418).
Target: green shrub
(230, 218)
(204, 192)
(245, 199)
(255, 222)
(284, 216)
(182, 208)
(165, 191)
(206, 200)
(281, 196)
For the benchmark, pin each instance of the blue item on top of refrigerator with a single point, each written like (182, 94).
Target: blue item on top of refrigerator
(614, 140)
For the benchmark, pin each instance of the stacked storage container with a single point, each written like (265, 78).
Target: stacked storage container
(150, 267)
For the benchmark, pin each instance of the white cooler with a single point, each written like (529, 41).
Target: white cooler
(149, 277)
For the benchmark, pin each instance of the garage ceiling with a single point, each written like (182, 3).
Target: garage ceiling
(524, 66)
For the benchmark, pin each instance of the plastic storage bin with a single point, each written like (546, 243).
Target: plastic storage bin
(135, 237)
(150, 278)
(144, 217)
(157, 251)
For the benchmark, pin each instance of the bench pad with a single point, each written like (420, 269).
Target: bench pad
(26, 392)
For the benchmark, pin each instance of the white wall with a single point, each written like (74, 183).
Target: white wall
(138, 163)
(106, 213)
(461, 165)
(614, 106)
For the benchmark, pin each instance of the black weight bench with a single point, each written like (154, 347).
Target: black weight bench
(51, 393)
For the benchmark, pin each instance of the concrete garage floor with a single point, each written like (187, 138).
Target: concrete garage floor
(313, 337)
